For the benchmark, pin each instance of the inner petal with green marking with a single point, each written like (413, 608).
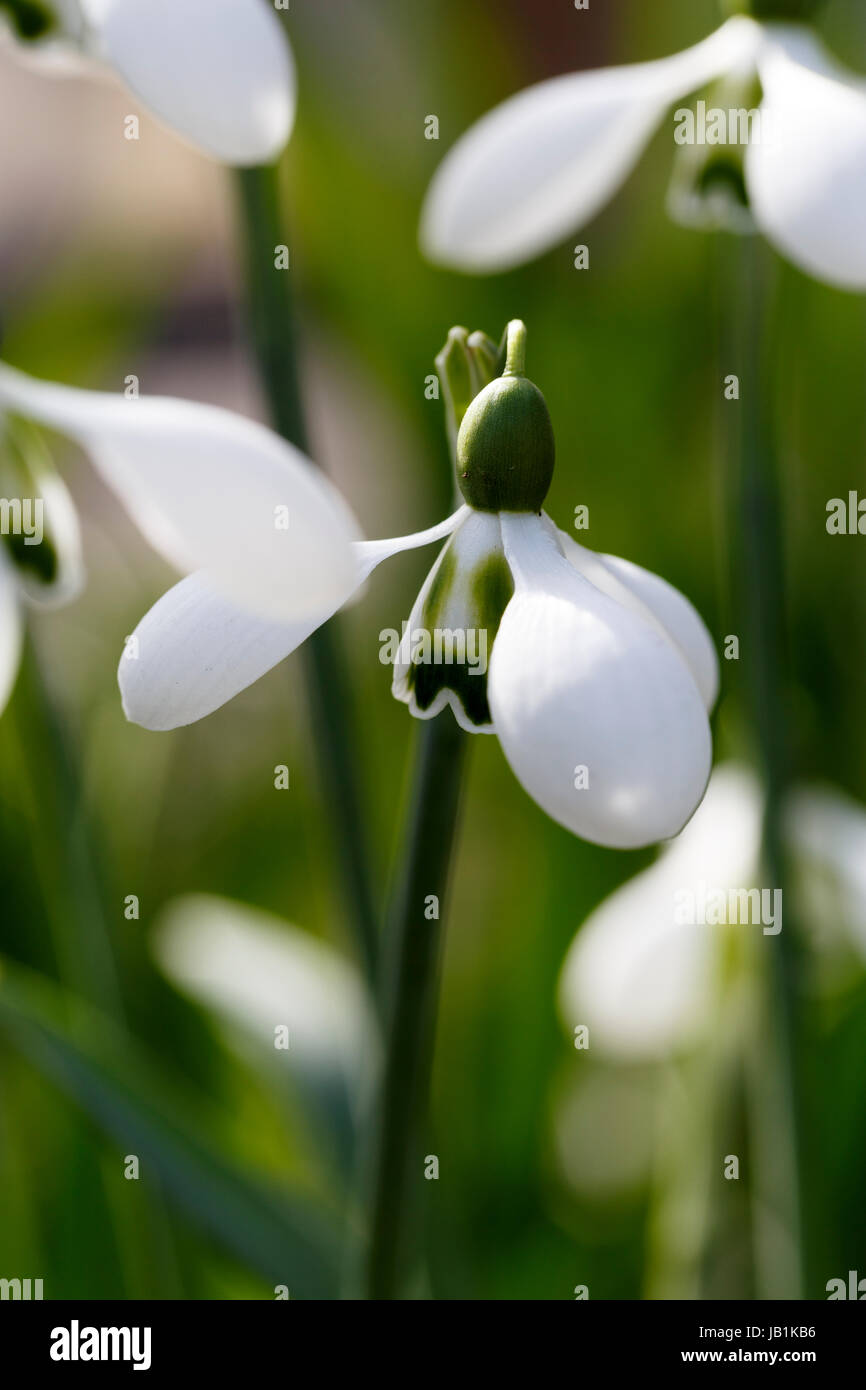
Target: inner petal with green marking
(447, 642)
(30, 19)
(38, 525)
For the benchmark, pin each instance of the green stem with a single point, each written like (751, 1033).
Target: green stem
(271, 317)
(411, 985)
(759, 588)
(68, 878)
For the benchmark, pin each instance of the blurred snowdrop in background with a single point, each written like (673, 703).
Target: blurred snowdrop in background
(544, 163)
(219, 73)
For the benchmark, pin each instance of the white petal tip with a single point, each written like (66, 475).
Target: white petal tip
(220, 73)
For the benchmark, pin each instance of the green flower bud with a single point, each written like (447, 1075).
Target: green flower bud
(774, 9)
(505, 447)
(30, 19)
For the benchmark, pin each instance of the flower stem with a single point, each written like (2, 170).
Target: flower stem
(414, 932)
(272, 326)
(759, 593)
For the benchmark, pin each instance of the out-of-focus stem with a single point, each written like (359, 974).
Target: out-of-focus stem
(73, 892)
(755, 505)
(272, 327)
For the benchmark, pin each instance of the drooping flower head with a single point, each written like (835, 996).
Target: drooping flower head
(595, 675)
(786, 157)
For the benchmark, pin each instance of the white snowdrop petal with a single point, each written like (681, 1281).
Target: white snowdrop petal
(579, 681)
(806, 176)
(218, 72)
(195, 649)
(657, 601)
(640, 984)
(644, 983)
(826, 829)
(211, 490)
(258, 973)
(546, 161)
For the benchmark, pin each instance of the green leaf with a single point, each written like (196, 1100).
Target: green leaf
(290, 1240)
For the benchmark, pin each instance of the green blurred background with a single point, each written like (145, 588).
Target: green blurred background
(120, 258)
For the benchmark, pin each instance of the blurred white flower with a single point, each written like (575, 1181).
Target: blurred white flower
(648, 985)
(220, 73)
(603, 1129)
(259, 974)
(543, 163)
(204, 486)
(600, 673)
(827, 833)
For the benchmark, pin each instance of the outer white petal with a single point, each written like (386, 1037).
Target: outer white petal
(644, 984)
(577, 679)
(195, 649)
(10, 630)
(546, 161)
(258, 973)
(218, 72)
(206, 486)
(658, 602)
(806, 177)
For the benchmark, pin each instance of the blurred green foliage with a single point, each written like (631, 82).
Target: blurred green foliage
(93, 809)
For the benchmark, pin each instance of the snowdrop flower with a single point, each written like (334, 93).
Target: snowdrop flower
(219, 73)
(642, 982)
(202, 484)
(258, 974)
(543, 163)
(827, 831)
(648, 984)
(597, 675)
(292, 1008)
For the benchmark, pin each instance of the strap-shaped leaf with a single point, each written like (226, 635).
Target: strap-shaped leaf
(290, 1240)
